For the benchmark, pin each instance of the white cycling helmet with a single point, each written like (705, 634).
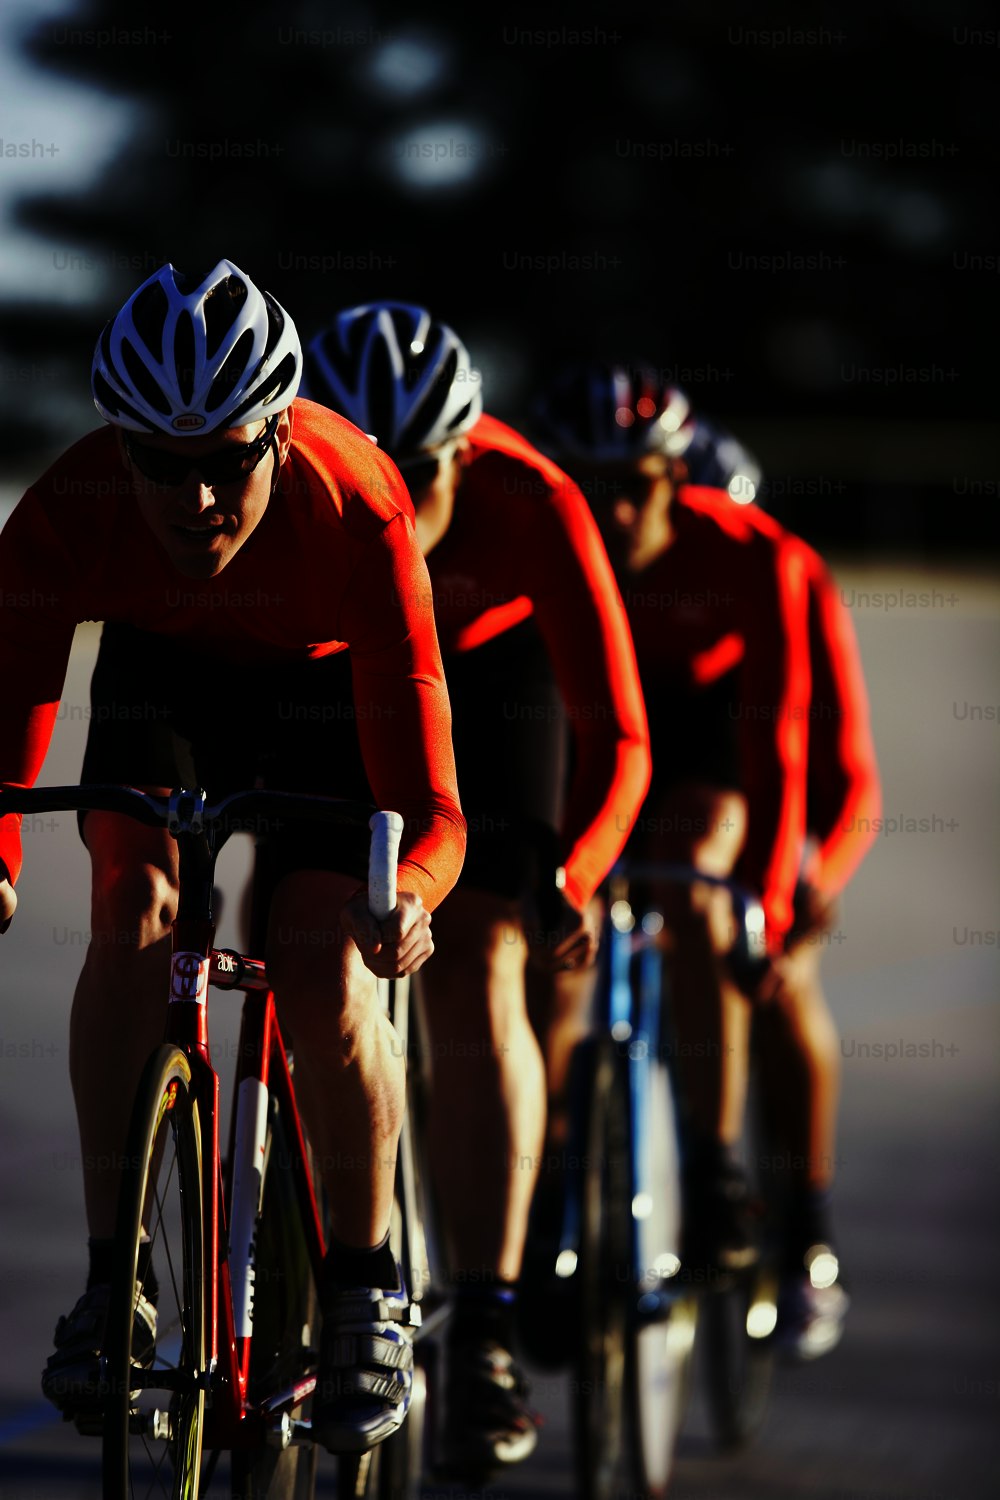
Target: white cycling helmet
(612, 413)
(395, 373)
(188, 355)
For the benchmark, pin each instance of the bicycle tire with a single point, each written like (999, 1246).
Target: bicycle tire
(398, 1464)
(605, 1280)
(740, 1314)
(661, 1335)
(147, 1450)
(394, 1468)
(740, 1365)
(285, 1327)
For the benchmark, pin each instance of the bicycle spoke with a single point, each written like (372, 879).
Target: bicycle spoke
(161, 1198)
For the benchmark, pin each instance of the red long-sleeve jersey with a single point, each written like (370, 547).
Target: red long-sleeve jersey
(843, 788)
(731, 592)
(522, 542)
(333, 563)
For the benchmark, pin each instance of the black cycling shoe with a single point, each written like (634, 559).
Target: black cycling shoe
(365, 1367)
(812, 1305)
(71, 1379)
(488, 1424)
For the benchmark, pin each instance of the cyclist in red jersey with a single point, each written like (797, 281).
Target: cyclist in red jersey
(534, 638)
(760, 735)
(799, 1052)
(237, 543)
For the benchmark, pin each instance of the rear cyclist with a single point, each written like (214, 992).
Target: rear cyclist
(534, 637)
(760, 732)
(209, 467)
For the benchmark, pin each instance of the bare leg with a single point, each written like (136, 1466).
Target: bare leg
(350, 1072)
(703, 827)
(560, 1007)
(488, 1098)
(118, 1008)
(800, 1070)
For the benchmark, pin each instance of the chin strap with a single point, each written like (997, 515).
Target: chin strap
(276, 475)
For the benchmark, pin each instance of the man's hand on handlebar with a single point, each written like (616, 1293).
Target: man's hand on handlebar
(397, 945)
(762, 978)
(814, 912)
(560, 937)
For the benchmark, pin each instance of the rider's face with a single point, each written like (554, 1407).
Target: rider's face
(432, 479)
(630, 502)
(201, 524)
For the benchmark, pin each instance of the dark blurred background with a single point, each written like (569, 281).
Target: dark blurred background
(788, 210)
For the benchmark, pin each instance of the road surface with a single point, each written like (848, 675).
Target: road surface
(909, 1405)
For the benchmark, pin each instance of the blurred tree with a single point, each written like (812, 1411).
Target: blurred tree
(772, 210)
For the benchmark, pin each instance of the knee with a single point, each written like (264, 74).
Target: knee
(134, 905)
(331, 1009)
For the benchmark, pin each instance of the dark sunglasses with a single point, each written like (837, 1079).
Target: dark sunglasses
(219, 466)
(619, 484)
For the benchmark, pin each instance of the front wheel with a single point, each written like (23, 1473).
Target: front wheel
(663, 1318)
(740, 1313)
(285, 1326)
(738, 1320)
(605, 1280)
(155, 1398)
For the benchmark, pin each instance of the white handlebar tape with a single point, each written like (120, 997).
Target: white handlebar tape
(386, 829)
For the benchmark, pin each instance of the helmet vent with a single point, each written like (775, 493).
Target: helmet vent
(461, 417)
(263, 395)
(113, 403)
(142, 379)
(437, 397)
(340, 362)
(232, 372)
(381, 387)
(149, 316)
(222, 308)
(275, 324)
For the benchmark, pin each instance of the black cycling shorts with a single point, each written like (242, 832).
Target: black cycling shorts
(166, 714)
(510, 737)
(695, 736)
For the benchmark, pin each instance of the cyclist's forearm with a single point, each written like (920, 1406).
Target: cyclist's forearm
(603, 805)
(24, 741)
(430, 865)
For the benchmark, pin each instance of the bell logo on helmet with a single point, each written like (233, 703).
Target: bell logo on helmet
(187, 421)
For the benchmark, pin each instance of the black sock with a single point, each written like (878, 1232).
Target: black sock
(484, 1310)
(352, 1265)
(808, 1220)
